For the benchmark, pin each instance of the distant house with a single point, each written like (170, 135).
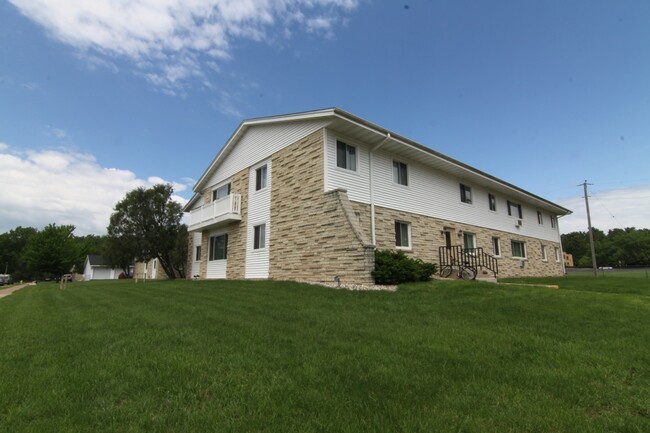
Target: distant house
(568, 260)
(98, 268)
(150, 270)
(310, 196)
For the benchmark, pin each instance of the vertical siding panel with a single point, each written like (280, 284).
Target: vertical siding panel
(259, 212)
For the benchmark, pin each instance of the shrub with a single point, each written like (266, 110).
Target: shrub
(395, 267)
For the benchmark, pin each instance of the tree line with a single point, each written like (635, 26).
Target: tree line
(627, 247)
(145, 225)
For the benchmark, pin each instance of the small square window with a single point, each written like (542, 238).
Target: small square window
(518, 249)
(402, 235)
(465, 194)
(260, 178)
(400, 173)
(346, 156)
(514, 209)
(259, 237)
(222, 192)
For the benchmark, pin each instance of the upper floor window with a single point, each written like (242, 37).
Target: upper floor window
(465, 194)
(402, 235)
(540, 217)
(514, 209)
(346, 156)
(221, 192)
(400, 173)
(553, 221)
(260, 178)
(492, 200)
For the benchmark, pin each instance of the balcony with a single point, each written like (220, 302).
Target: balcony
(217, 213)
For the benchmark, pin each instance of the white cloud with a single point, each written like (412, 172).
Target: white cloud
(64, 187)
(171, 41)
(617, 208)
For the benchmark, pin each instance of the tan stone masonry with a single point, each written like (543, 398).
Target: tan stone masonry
(314, 235)
(427, 238)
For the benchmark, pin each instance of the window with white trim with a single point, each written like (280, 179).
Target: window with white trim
(496, 246)
(222, 192)
(557, 254)
(402, 235)
(469, 240)
(400, 173)
(518, 249)
(260, 178)
(540, 218)
(218, 247)
(514, 209)
(197, 255)
(259, 237)
(465, 194)
(553, 221)
(544, 253)
(346, 156)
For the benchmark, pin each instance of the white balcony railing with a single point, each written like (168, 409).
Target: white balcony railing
(224, 210)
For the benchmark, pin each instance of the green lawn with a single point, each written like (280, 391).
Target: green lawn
(194, 356)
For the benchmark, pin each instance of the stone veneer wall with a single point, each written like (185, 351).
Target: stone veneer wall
(314, 235)
(427, 239)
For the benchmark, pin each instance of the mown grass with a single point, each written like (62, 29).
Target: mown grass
(194, 356)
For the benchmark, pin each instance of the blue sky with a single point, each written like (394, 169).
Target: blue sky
(97, 98)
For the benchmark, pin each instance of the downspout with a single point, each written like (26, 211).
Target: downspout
(372, 188)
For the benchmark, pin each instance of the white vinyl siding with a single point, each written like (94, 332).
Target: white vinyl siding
(259, 214)
(196, 263)
(259, 143)
(430, 192)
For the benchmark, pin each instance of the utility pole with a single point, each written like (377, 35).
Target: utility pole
(591, 230)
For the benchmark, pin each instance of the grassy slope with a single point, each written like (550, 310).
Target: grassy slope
(272, 356)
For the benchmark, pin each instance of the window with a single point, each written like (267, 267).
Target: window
(259, 237)
(496, 246)
(221, 192)
(219, 247)
(514, 209)
(553, 221)
(260, 178)
(402, 235)
(197, 256)
(400, 174)
(557, 254)
(518, 249)
(465, 194)
(346, 156)
(544, 253)
(469, 240)
(492, 200)
(540, 218)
